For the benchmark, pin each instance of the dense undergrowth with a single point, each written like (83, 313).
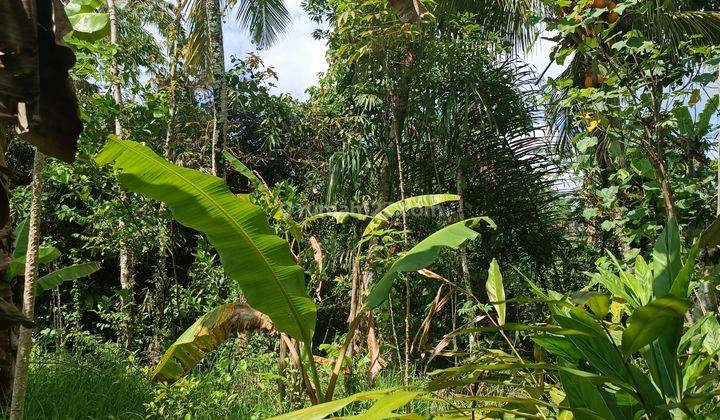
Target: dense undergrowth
(103, 382)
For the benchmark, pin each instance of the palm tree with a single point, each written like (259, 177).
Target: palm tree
(265, 20)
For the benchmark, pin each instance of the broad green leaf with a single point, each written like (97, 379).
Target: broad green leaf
(681, 286)
(82, 6)
(21, 239)
(253, 256)
(46, 255)
(594, 344)
(666, 259)
(559, 346)
(409, 203)
(496, 291)
(685, 125)
(703, 125)
(597, 349)
(72, 272)
(623, 286)
(208, 332)
(647, 323)
(597, 302)
(694, 367)
(644, 278)
(339, 216)
(423, 254)
(583, 394)
(321, 411)
(711, 328)
(90, 26)
(385, 406)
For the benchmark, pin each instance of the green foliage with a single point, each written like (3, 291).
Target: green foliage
(384, 215)
(87, 23)
(73, 272)
(423, 254)
(252, 255)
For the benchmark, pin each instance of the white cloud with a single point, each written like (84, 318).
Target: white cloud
(297, 57)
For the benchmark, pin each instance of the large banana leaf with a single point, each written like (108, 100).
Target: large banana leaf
(46, 255)
(64, 274)
(424, 253)
(209, 331)
(662, 354)
(252, 255)
(388, 212)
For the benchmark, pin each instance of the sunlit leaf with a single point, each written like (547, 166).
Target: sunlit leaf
(647, 323)
(496, 290)
(253, 256)
(423, 254)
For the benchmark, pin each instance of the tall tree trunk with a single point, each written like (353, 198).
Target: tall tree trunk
(28, 306)
(398, 153)
(126, 269)
(399, 112)
(219, 85)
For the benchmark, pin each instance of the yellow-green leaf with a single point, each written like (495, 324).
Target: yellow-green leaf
(496, 290)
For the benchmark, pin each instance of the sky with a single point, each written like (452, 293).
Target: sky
(298, 59)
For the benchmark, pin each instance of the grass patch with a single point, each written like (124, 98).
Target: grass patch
(100, 384)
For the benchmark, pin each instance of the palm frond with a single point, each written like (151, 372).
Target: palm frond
(264, 20)
(513, 19)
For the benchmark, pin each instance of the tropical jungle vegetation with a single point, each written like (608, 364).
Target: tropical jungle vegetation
(438, 230)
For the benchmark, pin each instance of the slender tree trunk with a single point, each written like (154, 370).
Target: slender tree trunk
(398, 152)
(126, 270)
(219, 85)
(31, 275)
(399, 103)
(463, 250)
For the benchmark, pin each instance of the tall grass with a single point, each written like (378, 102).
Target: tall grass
(238, 382)
(99, 384)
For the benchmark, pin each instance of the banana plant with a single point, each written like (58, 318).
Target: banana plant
(416, 259)
(46, 255)
(256, 259)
